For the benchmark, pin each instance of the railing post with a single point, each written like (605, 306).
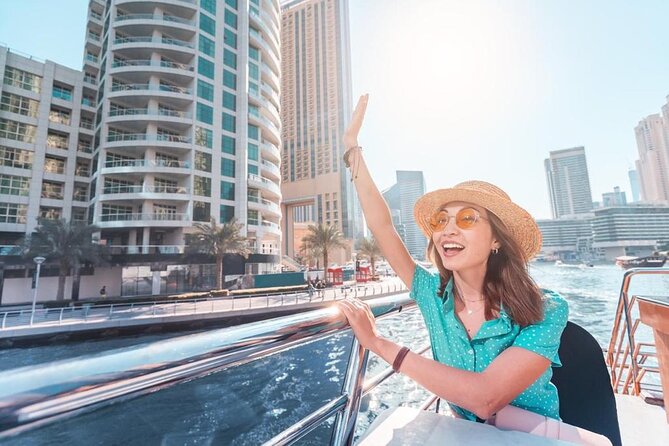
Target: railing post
(4, 319)
(344, 428)
(60, 317)
(111, 310)
(154, 309)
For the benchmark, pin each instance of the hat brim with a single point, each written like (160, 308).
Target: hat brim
(521, 225)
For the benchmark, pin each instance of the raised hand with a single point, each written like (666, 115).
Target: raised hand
(351, 133)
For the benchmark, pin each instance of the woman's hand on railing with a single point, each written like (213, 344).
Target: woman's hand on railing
(362, 321)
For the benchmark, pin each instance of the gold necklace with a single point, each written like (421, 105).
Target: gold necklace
(463, 300)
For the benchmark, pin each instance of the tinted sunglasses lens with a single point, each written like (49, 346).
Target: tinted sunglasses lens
(439, 220)
(466, 218)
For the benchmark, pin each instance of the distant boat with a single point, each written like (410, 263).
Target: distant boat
(641, 262)
(584, 265)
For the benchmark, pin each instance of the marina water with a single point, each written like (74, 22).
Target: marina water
(252, 403)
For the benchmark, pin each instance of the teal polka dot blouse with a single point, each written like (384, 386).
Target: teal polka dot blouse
(452, 346)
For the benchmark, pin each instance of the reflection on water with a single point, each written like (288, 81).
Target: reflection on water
(250, 404)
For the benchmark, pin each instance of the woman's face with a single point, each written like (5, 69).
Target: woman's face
(464, 249)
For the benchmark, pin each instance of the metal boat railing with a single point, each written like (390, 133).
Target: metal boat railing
(627, 358)
(33, 396)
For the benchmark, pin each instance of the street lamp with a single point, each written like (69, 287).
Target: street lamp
(38, 260)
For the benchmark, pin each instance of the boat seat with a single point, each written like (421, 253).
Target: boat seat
(584, 385)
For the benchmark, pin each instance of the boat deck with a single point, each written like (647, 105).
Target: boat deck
(641, 423)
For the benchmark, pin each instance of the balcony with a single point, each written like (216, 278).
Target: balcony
(271, 168)
(264, 184)
(264, 206)
(271, 227)
(145, 249)
(149, 39)
(270, 151)
(144, 219)
(153, 17)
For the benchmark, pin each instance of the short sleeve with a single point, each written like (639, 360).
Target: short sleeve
(424, 285)
(543, 337)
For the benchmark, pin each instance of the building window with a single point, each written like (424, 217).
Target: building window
(17, 158)
(62, 92)
(57, 140)
(18, 104)
(230, 38)
(13, 213)
(253, 152)
(201, 211)
(22, 79)
(207, 24)
(254, 72)
(209, 6)
(230, 59)
(17, 131)
(229, 122)
(54, 165)
(205, 113)
(253, 169)
(227, 167)
(231, 19)
(228, 144)
(254, 132)
(229, 101)
(163, 186)
(231, 3)
(204, 137)
(252, 217)
(202, 186)
(230, 79)
(207, 46)
(79, 214)
(111, 212)
(59, 116)
(254, 53)
(205, 68)
(203, 161)
(227, 213)
(53, 190)
(80, 192)
(205, 90)
(50, 213)
(227, 190)
(14, 185)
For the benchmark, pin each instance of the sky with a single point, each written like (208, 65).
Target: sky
(475, 89)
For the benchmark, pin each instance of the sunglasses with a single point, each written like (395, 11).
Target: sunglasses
(466, 218)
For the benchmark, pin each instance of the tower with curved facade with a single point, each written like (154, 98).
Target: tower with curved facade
(187, 120)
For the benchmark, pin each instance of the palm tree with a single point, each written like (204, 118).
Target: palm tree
(69, 244)
(370, 249)
(323, 239)
(309, 254)
(217, 240)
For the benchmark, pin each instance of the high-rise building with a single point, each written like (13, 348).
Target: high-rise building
(188, 120)
(653, 162)
(615, 198)
(402, 196)
(315, 108)
(568, 182)
(47, 115)
(633, 175)
(173, 120)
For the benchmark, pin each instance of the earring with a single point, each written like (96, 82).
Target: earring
(495, 251)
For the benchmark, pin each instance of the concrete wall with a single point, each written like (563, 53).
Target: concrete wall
(18, 291)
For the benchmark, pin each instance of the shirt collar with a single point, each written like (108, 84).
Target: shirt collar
(495, 327)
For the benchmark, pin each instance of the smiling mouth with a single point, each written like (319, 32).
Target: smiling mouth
(451, 249)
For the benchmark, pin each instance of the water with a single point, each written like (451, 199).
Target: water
(250, 404)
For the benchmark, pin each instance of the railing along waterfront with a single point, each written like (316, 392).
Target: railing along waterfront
(181, 307)
(32, 397)
(626, 357)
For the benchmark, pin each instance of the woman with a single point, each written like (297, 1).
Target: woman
(494, 333)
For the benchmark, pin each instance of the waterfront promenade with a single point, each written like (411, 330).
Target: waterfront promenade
(15, 325)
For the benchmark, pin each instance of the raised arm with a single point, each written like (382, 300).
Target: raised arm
(374, 207)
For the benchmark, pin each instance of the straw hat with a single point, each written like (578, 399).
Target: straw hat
(517, 220)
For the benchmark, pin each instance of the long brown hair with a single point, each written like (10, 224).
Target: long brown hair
(507, 279)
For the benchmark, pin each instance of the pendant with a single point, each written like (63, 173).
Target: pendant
(470, 311)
